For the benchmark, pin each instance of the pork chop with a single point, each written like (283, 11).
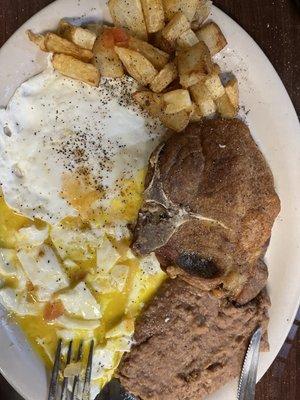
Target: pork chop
(209, 207)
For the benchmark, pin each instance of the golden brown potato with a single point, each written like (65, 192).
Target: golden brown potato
(156, 56)
(187, 7)
(76, 34)
(153, 14)
(225, 107)
(202, 97)
(153, 104)
(176, 26)
(150, 102)
(194, 64)
(216, 69)
(202, 12)
(177, 100)
(137, 65)
(129, 14)
(232, 90)
(56, 44)
(76, 69)
(105, 58)
(160, 42)
(196, 114)
(187, 39)
(214, 85)
(164, 78)
(212, 36)
(177, 122)
(39, 40)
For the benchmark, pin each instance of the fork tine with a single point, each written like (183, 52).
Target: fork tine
(76, 378)
(88, 373)
(65, 381)
(54, 376)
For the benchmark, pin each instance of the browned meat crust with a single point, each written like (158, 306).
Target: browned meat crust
(209, 208)
(189, 343)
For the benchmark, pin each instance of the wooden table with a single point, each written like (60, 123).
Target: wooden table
(275, 25)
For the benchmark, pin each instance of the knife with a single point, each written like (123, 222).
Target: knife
(246, 388)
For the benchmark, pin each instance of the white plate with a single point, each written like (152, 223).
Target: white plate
(274, 125)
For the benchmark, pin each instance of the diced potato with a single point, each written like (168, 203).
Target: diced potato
(76, 34)
(232, 91)
(187, 39)
(95, 28)
(216, 69)
(177, 25)
(73, 68)
(153, 104)
(159, 41)
(214, 85)
(137, 65)
(177, 100)
(177, 122)
(202, 97)
(105, 57)
(194, 64)
(225, 107)
(156, 56)
(164, 78)
(196, 114)
(153, 14)
(202, 13)
(150, 102)
(39, 40)
(213, 37)
(187, 7)
(129, 14)
(56, 44)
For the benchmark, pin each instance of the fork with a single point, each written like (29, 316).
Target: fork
(60, 391)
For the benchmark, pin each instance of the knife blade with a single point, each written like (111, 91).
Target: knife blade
(247, 382)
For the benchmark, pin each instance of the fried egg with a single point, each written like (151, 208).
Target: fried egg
(72, 165)
(68, 149)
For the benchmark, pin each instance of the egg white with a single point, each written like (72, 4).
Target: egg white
(54, 126)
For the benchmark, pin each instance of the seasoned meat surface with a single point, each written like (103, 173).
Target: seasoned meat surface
(189, 343)
(209, 207)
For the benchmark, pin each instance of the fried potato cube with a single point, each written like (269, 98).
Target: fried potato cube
(177, 25)
(225, 107)
(153, 14)
(153, 104)
(202, 12)
(177, 122)
(56, 44)
(177, 100)
(212, 36)
(202, 97)
(159, 41)
(76, 34)
(187, 39)
(196, 114)
(129, 14)
(156, 56)
(137, 65)
(37, 39)
(232, 90)
(214, 85)
(150, 102)
(105, 58)
(164, 77)
(76, 69)
(194, 64)
(216, 69)
(187, 7)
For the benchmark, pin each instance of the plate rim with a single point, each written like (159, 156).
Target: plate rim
(11, 380)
